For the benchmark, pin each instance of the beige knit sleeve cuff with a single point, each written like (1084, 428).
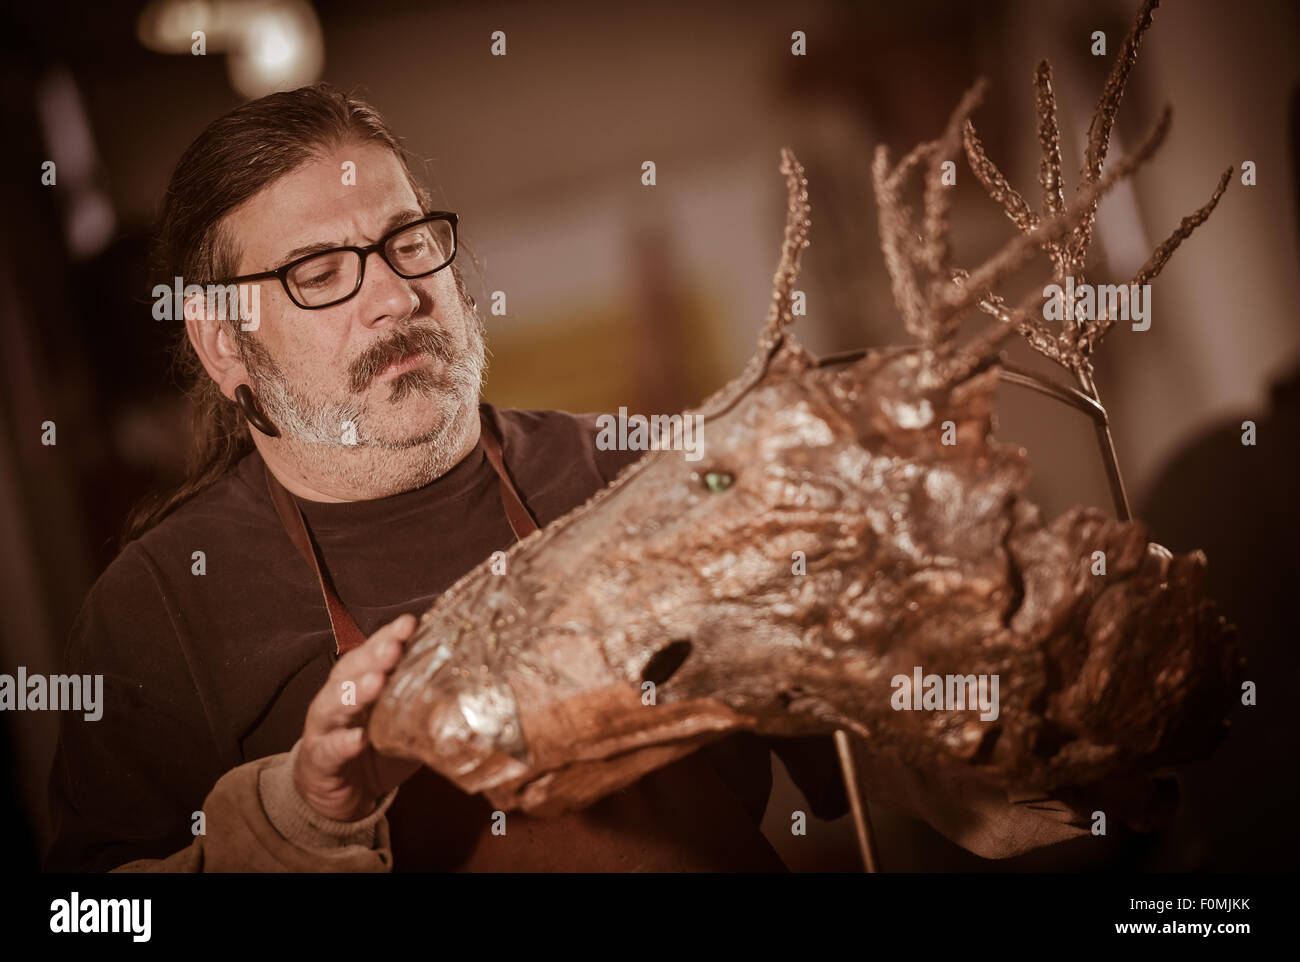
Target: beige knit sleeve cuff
(301, 824)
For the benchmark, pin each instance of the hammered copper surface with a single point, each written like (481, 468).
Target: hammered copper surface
(528, 685)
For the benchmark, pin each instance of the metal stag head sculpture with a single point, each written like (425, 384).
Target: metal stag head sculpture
(830, 541)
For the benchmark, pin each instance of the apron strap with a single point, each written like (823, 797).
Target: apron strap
(347, 634)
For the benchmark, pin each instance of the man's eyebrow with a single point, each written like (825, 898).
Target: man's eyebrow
(401, 218)
(397, 220)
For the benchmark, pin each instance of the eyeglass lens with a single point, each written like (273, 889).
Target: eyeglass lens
(333, 275)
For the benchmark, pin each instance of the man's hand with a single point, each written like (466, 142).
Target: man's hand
(338, 772)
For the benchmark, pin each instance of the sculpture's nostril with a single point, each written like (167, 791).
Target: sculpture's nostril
(665, 662)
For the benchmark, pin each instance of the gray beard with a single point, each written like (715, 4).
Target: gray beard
(332, 441)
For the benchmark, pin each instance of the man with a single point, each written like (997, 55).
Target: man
(226, 741)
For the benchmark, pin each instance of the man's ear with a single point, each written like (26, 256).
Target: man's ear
(215, 345)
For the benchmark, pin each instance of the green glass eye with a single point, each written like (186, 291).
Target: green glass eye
(718, 480)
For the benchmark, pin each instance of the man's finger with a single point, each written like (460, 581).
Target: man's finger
(380, 651)
(343, 703)
(347, 693)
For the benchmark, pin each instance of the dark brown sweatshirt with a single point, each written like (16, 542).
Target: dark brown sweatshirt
(210, 661)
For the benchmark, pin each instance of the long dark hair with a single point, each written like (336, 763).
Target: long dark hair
(233, 158)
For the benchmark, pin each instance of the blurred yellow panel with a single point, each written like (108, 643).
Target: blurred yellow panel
(589, 359)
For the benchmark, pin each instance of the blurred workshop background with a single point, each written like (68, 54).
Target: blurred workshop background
(650, 297)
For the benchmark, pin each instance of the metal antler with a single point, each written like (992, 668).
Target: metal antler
(932, 307)
(1063, 232)
(918, 264)
(1078, 339)
(797, 223)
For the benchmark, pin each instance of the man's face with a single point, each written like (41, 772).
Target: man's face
(392, 366)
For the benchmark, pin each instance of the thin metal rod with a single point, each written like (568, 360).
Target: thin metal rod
(1107, 444)
(861, 817)
(1068, 395)
(1088, 401)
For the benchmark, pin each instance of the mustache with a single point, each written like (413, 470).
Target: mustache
(433, 341)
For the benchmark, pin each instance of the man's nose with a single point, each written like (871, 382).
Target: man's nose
(385, 296)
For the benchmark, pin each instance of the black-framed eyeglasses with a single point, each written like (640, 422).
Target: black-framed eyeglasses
(326, 278)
